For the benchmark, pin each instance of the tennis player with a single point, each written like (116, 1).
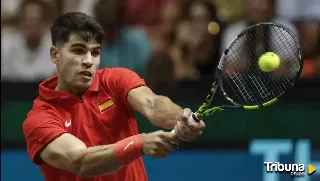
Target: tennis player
(82, 124)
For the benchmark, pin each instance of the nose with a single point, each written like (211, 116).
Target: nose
(88, 60)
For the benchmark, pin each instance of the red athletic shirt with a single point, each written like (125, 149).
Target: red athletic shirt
(101, 116)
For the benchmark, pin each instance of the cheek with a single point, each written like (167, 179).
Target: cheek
(68, 66)
(96, 63)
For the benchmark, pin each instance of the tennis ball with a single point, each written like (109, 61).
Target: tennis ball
(269, 61)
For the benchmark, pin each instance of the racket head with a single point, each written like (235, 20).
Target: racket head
(240, 79)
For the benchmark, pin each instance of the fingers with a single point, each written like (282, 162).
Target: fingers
(195, 126)
(187, 134)
(169, 147)
(170, 138)
(186, 114)
(188, 129)
(183, 129)
(167, 143)
(188, 119)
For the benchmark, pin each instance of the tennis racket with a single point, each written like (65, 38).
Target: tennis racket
(239, 78)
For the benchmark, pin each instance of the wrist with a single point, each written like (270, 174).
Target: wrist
(128, 149)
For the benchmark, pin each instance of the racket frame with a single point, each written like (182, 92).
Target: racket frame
(204, 110)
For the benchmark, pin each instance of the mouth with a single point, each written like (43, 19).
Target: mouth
(86, 74)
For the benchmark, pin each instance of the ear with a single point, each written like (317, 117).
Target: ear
(54, 54)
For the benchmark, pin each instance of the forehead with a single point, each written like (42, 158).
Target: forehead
(77, 39)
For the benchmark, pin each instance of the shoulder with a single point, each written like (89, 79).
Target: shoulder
(120, 80)
(42, 113)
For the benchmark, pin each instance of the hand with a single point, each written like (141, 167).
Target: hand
(188, 129)
(159, 144)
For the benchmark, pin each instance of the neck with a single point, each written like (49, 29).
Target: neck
(63, 86)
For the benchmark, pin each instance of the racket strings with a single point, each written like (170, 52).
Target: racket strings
(258, 81)
(286, 82)
(242, 79)
(241, 82)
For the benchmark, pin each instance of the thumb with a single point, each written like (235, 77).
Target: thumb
(186, 114)
(201, 125)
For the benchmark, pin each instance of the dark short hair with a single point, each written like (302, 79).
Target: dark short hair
(76, 23)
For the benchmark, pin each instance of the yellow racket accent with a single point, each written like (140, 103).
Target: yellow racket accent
(251, 107)
(270, 102)
(209, 112)
(229, 99)
(300, 56)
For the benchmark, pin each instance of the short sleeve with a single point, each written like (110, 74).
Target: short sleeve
(121, 81)
(39, 130)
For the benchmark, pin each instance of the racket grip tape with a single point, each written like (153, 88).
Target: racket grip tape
(194, 117)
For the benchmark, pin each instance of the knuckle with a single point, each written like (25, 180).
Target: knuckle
(158, 140)
(160, 132)
(188, 110)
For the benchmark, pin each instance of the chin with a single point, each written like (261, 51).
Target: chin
(83, 86)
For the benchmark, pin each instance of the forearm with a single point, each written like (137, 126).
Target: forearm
(95, 161)
(163, 112)
(106, 159)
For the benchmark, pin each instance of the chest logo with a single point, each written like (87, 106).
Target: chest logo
(105, 105)
(68, 123)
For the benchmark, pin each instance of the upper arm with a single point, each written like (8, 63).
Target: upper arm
(141, 99)
(48, 141)
(59, 153)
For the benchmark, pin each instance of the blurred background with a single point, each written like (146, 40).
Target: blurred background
(175, 46)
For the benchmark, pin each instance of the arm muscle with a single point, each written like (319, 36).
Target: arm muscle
(160, 110)
(69, 153)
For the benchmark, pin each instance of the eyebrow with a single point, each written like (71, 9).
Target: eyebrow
(84, 46)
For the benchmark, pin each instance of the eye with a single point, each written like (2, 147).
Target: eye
(95, 53)
(79, 51)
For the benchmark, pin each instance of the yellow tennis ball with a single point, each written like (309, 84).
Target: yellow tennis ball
(269, 61)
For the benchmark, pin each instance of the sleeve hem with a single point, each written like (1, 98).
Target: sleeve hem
(35, 157)
(134, 85)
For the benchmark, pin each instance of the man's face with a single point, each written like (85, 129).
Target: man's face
(77, 62)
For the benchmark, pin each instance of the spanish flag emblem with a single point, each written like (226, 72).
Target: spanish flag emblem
(105, 105)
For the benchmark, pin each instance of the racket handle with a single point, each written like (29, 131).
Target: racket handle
(194, 117)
